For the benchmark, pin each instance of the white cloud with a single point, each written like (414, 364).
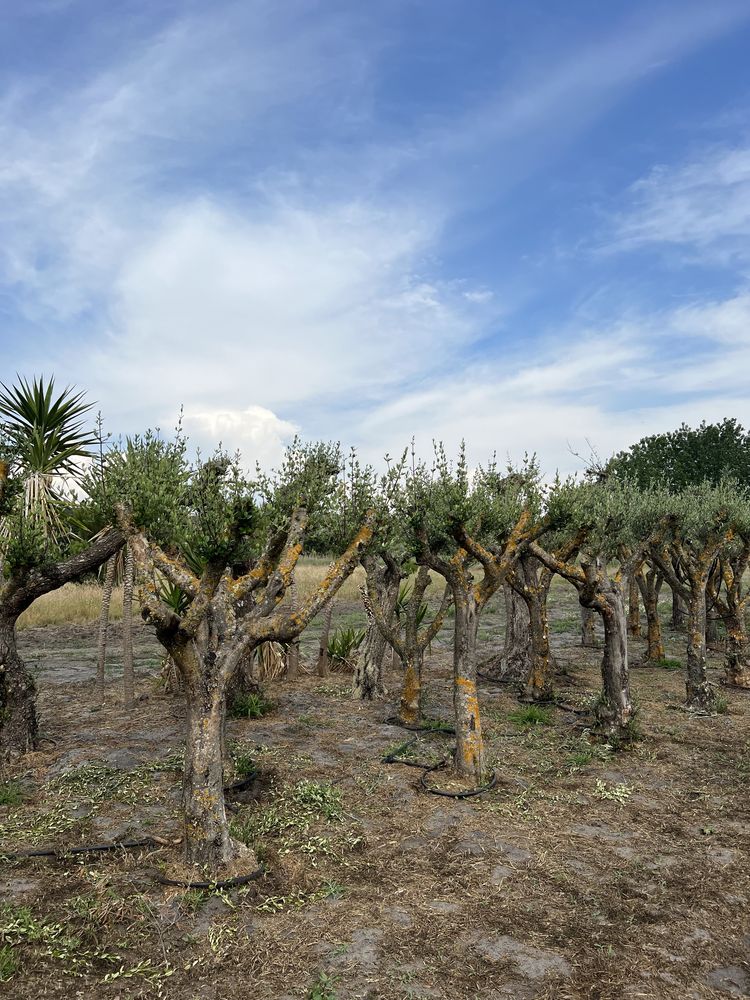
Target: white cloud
(255, 431)
(702, 206)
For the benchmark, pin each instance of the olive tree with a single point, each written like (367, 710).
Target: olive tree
(605, 517)
(250, 535)
(459, 521)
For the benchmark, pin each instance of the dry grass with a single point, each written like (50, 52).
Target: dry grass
(79, 603)
(73, 604)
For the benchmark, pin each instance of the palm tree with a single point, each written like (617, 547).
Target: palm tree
(43, 441)
(49, 439)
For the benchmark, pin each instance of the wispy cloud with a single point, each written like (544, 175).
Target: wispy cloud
(702, 207)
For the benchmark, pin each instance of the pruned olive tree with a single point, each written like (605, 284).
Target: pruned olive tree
(705, 521)
(259, 527)
(605, 517)
(410, 636)
(460, 521)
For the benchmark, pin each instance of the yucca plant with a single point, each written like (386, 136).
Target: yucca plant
(343, 646)
(49, 438)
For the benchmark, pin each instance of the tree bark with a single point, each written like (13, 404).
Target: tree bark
(101, 650)
(367, 682)
(650, 585)
(128, 677)
(206, 831)
(634, 609)
(588, 628)
(469, 757)
(737, 658)
(679, 611)
(18, 718)
(615, 709)
(699, 693)
(514, 663)
(539, 681)
(292, 661)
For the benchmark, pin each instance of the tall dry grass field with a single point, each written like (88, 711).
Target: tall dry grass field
(80, 603)
(73, 604)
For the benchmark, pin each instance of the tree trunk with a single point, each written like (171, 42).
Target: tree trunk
(292, 660)
(101, 651)
(588, 628)
(650, 585)
(713, 639)
(699, 694)
(737, 660)
(539, 682)
(679, 611)
(18, 719)
(634, 608)
(469, 758)
(410, 707)
(206, 832)
(323, 651)
(128, 678)
(615, 709)
(516, 660)
(367, 683)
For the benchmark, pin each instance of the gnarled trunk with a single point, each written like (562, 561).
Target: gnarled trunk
(650, 585)
(588, 628)
(699, 693)
(737, 659)
(367, 682)
(206, 831)
(18, 719)
(615, 708)
(516, 662)
(292, 658)
(469, 758)
(679, 611)
(539, 682)
(634, 608)
(410, 704)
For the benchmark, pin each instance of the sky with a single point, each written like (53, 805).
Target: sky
(521, 224)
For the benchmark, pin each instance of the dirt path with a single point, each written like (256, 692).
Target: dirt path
(584, 874)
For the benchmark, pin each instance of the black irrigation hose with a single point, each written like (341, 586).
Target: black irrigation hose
(467, 794)
(505, 681)
(48, 852)
(229, 883)
(241, 786)
(393, 720)
(393, 758)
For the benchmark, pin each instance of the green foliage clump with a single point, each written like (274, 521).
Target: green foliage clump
(11, 794)
(344, 643)
(252, 705)
(532, 715)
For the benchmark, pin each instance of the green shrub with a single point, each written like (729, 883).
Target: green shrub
(344, 643)
(532, 715)
(253, 705)
(11, 794)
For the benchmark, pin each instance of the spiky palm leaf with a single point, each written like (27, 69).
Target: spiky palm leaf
(48, 434)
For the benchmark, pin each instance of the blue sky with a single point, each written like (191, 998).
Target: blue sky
(522, 224)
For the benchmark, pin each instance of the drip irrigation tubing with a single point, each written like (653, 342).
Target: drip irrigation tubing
(465, 794)
(394, 758)
(229, 883)
(51, 852)
(393, 720)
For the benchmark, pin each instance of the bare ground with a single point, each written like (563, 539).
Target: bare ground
(584, 874)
